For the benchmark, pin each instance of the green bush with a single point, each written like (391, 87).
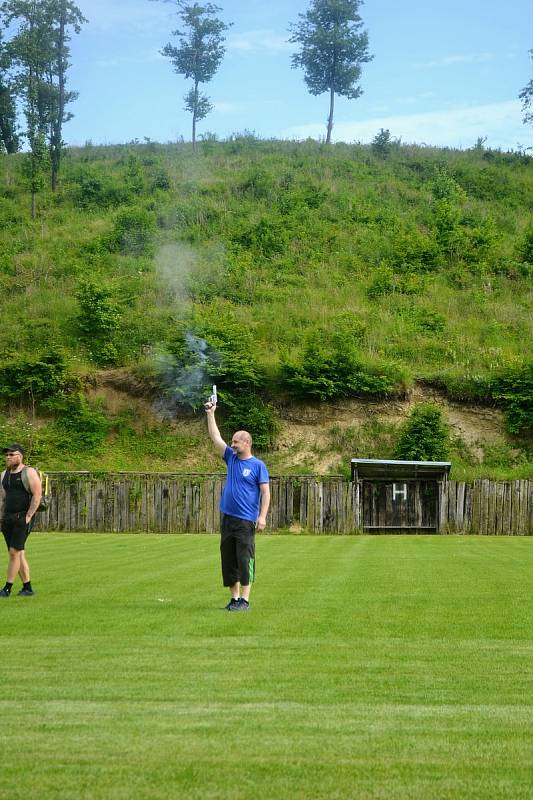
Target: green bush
(414, 252)
(80, 424)
(98, 321)
(424, 437)
(382, 283)
(31, 377)
(526, 246)
(268, 237)
(333, 368)
(250, 413)
(381, 143)
(133, 231)
(258, 184)
(92, 189)
(513, 389)
(213, 347)
(235, 363)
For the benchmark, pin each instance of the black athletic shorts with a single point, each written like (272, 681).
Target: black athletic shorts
(16, 530)
(237, 550)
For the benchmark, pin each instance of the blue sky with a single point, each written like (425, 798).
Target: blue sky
(444, 73)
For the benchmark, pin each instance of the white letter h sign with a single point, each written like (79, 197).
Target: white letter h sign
(399, 490)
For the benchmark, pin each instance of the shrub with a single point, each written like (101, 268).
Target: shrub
(29, 377)
(268, 237)
(526, 247)
(212, 348)
(331, 369)
(427, 321)
(258, 184)
(414, 252)
(382, 282)
(80, 424)
(232, 358)
(249, 412)
(95, 190)
(133, 231)
(424, 437)
(382, 143)
(514, 390)
(98, 321)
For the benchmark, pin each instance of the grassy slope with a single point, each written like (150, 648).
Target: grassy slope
(285, 239)
(380, 667)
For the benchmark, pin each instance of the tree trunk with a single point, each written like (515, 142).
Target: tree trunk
(33, 204)
(57, 123)
(330, 118)
(194, 117)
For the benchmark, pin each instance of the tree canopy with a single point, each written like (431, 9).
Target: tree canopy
(198, 54)
(332, 49)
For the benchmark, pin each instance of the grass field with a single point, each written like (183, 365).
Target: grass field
(368, 667)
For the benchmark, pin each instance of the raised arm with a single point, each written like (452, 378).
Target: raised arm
(212, 427)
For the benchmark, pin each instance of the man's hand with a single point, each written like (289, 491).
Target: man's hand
(260, 525)
(210, 407)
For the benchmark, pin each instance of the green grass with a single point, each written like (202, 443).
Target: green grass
(368, 667)
(283, 240)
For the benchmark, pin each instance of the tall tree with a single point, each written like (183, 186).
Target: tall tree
(63, 18)
(39, 52)
(332, 50)
(30, 54)
(9, 139)
(199, 53)
(526, 96)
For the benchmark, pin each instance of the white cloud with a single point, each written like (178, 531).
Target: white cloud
(226, 108)
(465, 58)
(501, 123)
(146, 57)
(252, 41)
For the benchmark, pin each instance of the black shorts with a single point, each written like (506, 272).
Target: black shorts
(237, 550)
(16, 530)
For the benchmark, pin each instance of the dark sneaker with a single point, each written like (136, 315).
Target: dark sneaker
(243, 605)
(233, 604)
(3, 593)
(25, 593)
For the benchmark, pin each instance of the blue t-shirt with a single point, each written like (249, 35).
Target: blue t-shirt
(241, 493)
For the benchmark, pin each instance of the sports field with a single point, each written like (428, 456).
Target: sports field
(368, 667)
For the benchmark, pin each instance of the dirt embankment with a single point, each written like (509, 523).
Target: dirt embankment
(309, 432)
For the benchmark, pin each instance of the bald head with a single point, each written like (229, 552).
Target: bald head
(241, 444)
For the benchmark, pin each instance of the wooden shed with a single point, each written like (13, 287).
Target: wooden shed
(399, 495)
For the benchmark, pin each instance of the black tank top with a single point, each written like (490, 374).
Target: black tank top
(17, 498)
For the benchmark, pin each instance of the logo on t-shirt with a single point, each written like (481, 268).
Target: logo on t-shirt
(246, 472)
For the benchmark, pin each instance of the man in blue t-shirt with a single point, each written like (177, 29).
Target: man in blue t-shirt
(244, 505)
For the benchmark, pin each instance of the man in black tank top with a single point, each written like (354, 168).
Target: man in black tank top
(17, 507)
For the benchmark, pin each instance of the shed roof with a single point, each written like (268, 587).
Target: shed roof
(389, 469)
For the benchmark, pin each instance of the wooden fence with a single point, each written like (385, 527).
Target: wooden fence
(172, 503)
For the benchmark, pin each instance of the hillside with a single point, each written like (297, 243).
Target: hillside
(327, 292)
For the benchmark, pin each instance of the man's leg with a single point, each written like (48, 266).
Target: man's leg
(13, 565)
(246, 558)
(235, 590)
(228, 558)
(24, 571)
(17, 556)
